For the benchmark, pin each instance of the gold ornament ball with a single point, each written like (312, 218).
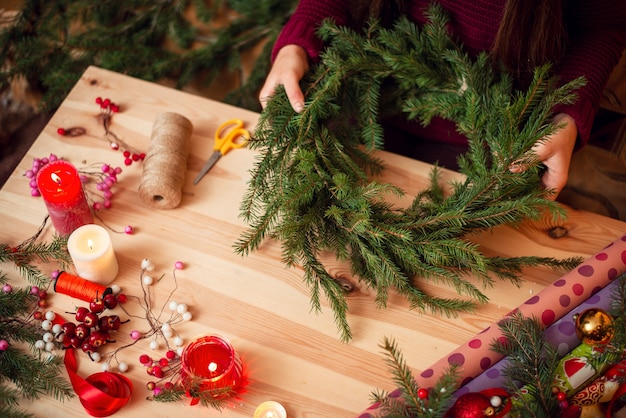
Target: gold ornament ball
(594, 327)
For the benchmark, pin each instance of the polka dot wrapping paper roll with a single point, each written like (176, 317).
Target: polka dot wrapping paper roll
(552, 303)
(561, 334)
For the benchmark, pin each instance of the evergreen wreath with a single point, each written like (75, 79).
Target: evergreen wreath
(312, 189)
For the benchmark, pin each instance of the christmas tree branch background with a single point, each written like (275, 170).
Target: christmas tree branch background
(218, 49)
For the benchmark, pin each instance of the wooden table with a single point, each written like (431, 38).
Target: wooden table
(291, 354)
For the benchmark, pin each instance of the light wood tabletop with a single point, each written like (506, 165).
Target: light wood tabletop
(290, 354)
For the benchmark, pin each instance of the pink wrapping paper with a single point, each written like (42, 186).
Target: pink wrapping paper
(561, 334)
(552, 303)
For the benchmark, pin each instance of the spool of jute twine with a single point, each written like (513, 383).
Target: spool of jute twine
(165, 164)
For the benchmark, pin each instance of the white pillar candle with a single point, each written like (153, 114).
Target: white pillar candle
(270, 409)
(92, 253)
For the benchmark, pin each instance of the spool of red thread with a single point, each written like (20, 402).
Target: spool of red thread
(79, 288)
(63, 194)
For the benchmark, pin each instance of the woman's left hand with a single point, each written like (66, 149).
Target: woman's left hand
(555, 151)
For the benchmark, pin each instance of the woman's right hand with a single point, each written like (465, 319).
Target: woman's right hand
(290, 65)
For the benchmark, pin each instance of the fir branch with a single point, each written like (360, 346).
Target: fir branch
(531, 361)
(409, 404)
(24, 256)
(34, 377)
(214, 398)
(311, 185)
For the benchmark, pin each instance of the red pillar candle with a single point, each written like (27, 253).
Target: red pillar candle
(62, 191)
(211, 365)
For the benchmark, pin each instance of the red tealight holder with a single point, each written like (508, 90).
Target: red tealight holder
(63, 194)
(210, 365)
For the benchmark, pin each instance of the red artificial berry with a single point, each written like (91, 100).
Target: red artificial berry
(82, 331)
(42, 303)
(163, 362)
(422, 393)
(43, 294)
(168, 386)
(106, 103)
(103, 323)
(38, 315)
(81, 312)
(128, 161)
(75, 341)
(144, 359)
(61, 131)
(561, 396)
(126, 154)
(87, 347)
(171, 354)
(135, 157)
(121, 298)
(114, 146)
(114, 322)
(157, 372)
(114, 108)
(98, 338)
(150, 385)
(110, 301)
(97, 305)
(98, 100)
(91, 320)
(69, 328)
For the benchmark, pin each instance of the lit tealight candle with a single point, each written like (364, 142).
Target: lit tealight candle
(92, 253)
(270, 409)
(61, 189)
(210, 364)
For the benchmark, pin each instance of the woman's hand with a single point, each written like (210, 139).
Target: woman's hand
(289, 67)
(555, 151)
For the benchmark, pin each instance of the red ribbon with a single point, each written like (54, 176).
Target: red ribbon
(102, 394)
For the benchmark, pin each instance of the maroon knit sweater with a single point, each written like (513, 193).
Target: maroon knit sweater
(596, 41)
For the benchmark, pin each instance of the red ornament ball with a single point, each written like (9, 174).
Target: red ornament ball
(471, 405)
(493, 403)
(422, 393)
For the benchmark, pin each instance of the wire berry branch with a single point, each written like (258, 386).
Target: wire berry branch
(312, 186)
(105, 117)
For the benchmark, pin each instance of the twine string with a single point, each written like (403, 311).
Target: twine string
(165, 164)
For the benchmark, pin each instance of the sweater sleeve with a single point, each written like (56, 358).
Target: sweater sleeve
(301, 28)
(596, 41)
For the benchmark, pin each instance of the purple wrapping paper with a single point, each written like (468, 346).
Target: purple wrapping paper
(561, 334)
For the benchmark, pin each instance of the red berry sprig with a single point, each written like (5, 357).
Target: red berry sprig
(107, 109)
(165, 370)
(31, 173)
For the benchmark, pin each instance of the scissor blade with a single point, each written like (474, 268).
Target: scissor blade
(207, 166)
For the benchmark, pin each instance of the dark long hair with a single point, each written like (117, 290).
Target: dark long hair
(531, 32)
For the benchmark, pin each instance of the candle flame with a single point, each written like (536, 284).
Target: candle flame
(55, 178)
(90, 244)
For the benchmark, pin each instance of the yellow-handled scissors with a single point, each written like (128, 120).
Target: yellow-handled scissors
(230, 134)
